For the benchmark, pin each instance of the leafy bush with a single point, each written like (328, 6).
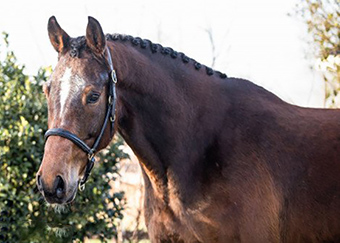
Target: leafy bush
(322, 18)
(25, 217)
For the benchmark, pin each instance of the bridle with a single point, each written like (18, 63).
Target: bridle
(110, 115)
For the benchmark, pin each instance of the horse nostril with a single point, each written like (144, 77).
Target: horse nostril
(60, 186)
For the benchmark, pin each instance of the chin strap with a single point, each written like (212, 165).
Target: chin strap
(110, 115)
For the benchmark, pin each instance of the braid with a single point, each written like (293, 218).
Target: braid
(137, 41)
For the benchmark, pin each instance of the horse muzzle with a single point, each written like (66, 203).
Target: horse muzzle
(56, 192)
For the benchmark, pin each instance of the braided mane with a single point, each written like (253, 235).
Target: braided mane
(79, 43)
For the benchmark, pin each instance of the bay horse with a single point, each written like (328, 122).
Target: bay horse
(223, 160)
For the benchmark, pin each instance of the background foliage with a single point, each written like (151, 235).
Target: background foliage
(323, 21)
(25, 217)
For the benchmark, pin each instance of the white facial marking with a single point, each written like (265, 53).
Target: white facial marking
(70, 85)
(65, 83)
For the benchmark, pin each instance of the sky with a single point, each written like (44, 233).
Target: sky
(254, 40)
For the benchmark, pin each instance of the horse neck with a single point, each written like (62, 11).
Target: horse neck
(157, 113)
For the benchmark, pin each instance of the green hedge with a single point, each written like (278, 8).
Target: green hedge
(25, 216)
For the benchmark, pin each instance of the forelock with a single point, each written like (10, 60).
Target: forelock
(77, 45)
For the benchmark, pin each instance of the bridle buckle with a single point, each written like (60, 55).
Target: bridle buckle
(90, 155)
(81, 187)
(114, 76)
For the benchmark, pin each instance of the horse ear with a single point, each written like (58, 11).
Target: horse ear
(58, 37)
(95, 38)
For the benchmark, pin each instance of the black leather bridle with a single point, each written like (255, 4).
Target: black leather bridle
(110, 115)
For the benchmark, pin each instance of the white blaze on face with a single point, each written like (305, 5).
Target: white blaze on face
(70, 86)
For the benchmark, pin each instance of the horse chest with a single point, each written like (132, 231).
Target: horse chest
(164, 226)
(175, 223)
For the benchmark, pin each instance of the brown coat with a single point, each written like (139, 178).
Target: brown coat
(223, 159)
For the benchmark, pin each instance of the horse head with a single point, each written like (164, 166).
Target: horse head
(77, 96)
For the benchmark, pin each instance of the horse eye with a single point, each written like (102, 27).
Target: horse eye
(92, 98)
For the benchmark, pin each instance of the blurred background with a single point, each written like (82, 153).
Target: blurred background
(290, 47)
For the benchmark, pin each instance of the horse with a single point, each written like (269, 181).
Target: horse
(223, 160)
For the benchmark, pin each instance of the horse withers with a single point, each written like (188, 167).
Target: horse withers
(223, 159)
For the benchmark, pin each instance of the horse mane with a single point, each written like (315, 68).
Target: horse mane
(79, 43)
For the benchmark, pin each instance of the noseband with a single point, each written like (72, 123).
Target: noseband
(110, 115)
